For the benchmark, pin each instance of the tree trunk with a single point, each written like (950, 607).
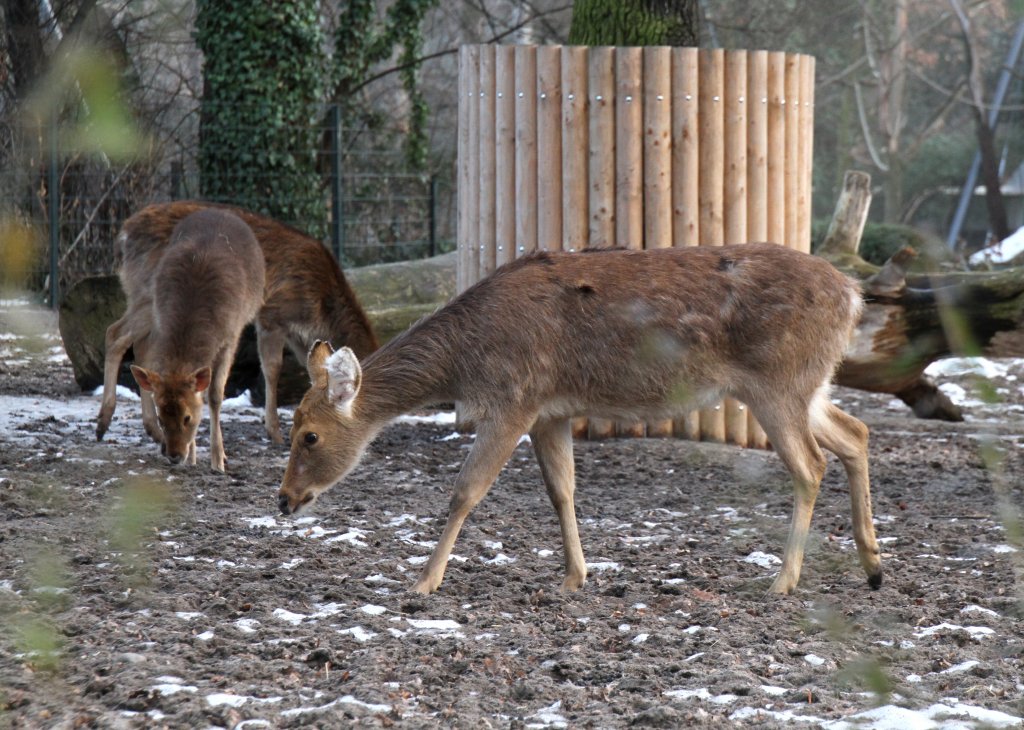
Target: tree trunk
(635, 23)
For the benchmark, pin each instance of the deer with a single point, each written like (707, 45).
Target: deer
(621, 334)
(306, 298)
(207, 286)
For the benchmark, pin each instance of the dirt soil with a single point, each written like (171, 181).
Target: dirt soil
(133, 594)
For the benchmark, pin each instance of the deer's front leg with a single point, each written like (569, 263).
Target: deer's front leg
(221, 369)
(552, 442)
(494, 445)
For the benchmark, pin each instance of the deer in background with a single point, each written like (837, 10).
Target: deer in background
(306, 298)
(207, 286)
(608, 333)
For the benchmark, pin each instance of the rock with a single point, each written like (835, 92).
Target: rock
(85, 313)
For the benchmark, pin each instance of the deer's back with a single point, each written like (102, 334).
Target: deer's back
(208, 284)
(645, 327)
(306, 292)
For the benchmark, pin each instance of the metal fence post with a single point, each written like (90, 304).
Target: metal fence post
(433, 215)
(53, 206)
(337, 214)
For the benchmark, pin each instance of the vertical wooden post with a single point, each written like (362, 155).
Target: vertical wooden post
(526, 150)
(792, 126)
(505, 154)
(601, 205)
(686, 176)
(712, 164)
(805, 166)
(468, 74)
(629, 161)
(549, 148)
(629, 205)
(735, 197)
(777, 148)
(486, 220)
(601, 188)
(575, 139)
(757, 179)
(657, 165)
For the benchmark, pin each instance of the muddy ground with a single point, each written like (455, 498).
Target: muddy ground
(133, 594)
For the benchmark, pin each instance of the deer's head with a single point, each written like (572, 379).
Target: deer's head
(328, 437)
(179, 406)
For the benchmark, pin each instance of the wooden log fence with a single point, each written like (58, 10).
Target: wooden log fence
(569, 147)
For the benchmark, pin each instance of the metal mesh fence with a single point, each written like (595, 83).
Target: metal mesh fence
(372, 208)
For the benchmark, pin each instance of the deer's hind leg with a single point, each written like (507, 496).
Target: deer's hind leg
(552, 442)
(847, 438)
(116, 342)
(788, 428)
(494, 444)
(270, 343)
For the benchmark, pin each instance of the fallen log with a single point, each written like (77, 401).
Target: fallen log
(910, 321)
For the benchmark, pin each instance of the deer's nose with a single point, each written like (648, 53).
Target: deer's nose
(175, 458)
(282, 502)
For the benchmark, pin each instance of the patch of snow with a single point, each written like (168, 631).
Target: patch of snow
(961, 667)
(358, 633)
(219, 699)
(442, 418)
(372, 609)
(547, 717)
(978, 609)
(499, 559)
(783, 716)
(1004, 549)
(188, 615)
(603, 566)
(172, 688)
(247, 625)
(936, 716)
(121, 392)
(435, 626)
(765, 560)
(976, 632)
(205, 636)
(346, 700)
(239, 401)
(982, 366)
(1001, 252)
(814, 660)
(293, 618)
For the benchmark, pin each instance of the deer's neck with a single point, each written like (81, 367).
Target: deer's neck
(412, 371)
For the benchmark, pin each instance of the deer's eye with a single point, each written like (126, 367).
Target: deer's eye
(310, 438)
(188, 419)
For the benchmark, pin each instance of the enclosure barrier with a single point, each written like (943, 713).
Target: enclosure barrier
(565, 147)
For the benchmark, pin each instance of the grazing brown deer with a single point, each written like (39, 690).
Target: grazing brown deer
(207, 286)
(306, 298)
(609, 333)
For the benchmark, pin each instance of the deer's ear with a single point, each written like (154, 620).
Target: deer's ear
(316, 361)
(201, 379)
(343, 377)
(147, 380)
